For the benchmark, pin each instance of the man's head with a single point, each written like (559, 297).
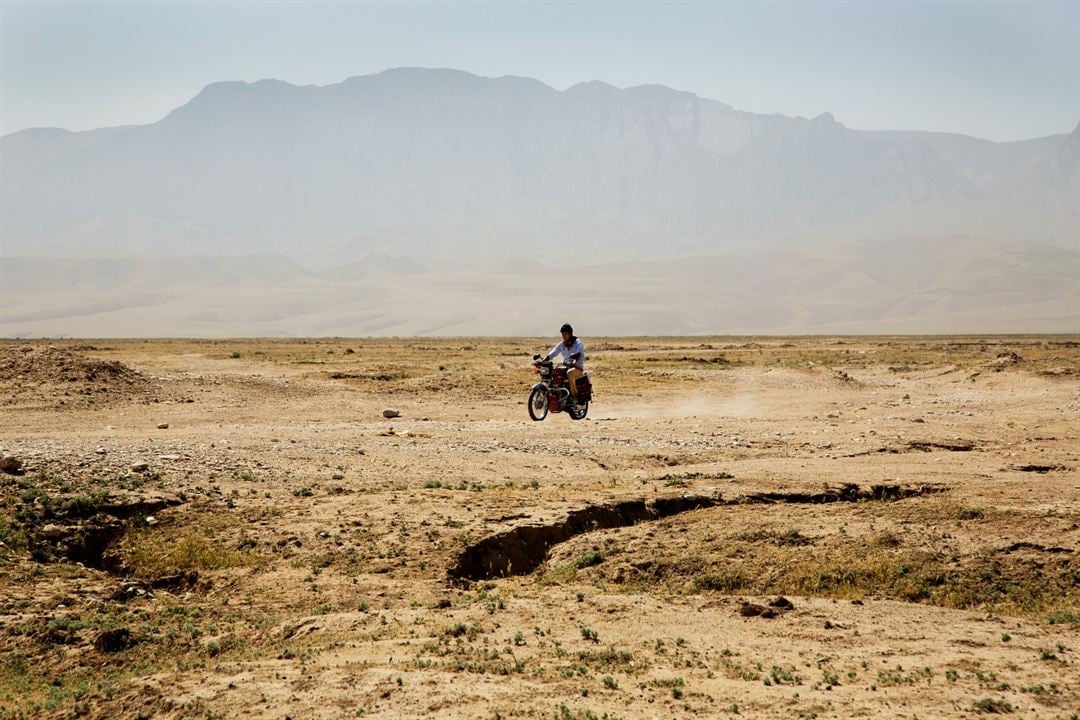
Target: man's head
(567, 332)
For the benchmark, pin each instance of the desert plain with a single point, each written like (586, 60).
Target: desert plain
(742, 527)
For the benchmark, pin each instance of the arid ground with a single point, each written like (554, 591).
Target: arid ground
(742, 527)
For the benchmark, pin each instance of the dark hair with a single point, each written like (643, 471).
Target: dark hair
(566, 328)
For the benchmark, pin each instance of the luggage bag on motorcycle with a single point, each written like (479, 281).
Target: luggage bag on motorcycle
(584, 389)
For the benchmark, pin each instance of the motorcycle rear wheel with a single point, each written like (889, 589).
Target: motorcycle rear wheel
(578, 414)
(538, 404)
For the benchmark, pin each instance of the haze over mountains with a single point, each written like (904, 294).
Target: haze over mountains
(434, 201)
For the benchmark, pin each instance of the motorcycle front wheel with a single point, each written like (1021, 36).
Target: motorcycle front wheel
(538, 404)
(578, 414)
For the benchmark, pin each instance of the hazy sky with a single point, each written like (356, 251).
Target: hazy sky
(1003, 71)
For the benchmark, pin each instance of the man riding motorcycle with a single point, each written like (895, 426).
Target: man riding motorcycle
(573, 352)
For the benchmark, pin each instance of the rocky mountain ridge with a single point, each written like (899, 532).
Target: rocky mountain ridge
(442, 164)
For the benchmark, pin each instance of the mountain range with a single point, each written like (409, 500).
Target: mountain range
(412, 175)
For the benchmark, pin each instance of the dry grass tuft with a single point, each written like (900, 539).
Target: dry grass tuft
(157, 553)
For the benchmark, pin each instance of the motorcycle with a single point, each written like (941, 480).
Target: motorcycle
(552, 394)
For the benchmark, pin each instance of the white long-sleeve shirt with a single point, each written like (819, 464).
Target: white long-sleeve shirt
(567, 350)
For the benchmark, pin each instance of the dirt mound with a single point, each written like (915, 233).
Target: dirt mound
(54, 365)
(27, 367)
(1006, 359)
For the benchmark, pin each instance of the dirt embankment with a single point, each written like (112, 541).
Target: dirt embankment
(68, 376)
